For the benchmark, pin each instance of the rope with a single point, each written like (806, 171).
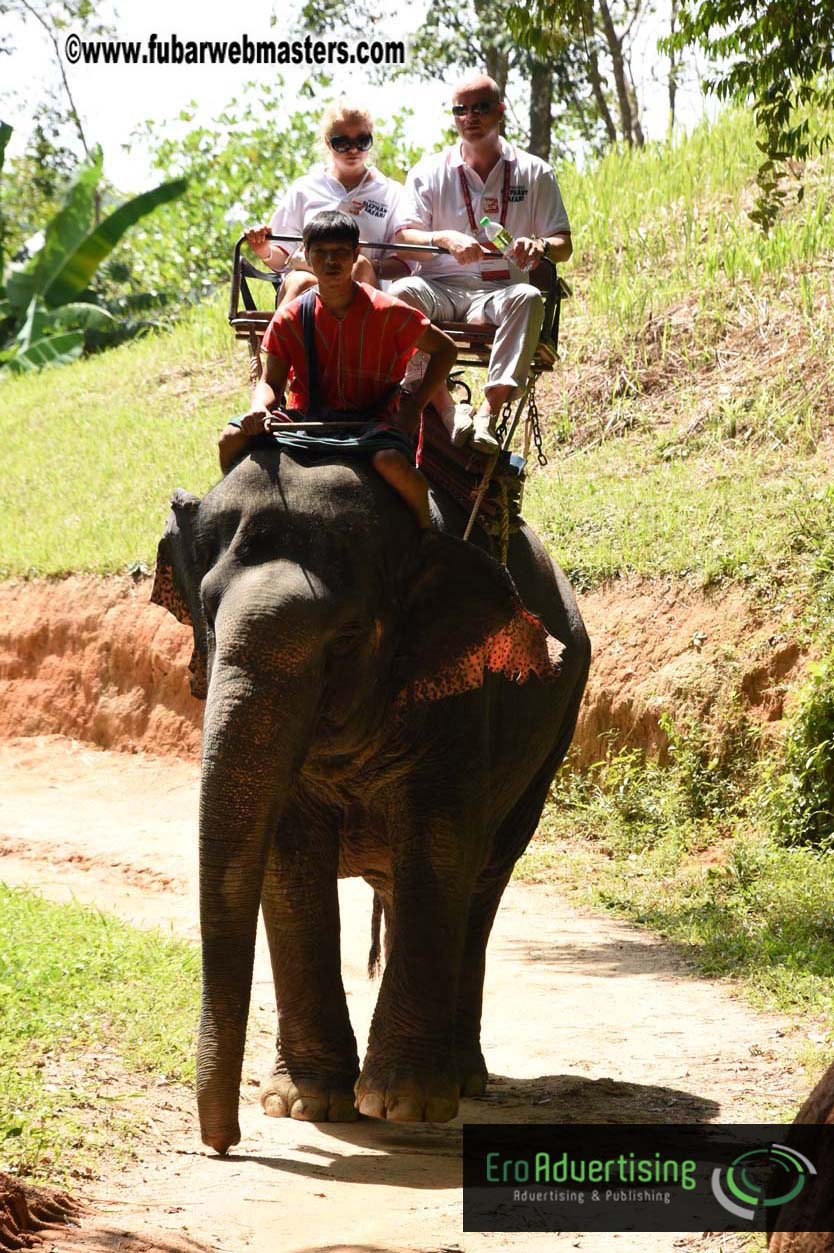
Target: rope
(503, 520)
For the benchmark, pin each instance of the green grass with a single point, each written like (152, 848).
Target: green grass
(94, 450)
(86, 1002)
(689, 850)
(652, 226)
(638, 507)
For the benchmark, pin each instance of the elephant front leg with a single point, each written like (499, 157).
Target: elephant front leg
(316, 1061)
(410, 1070)
(472, 1069)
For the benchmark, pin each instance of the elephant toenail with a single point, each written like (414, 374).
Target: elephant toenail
(371, 1105)
(274, 1106)
(441, 1110)
(402, 1109)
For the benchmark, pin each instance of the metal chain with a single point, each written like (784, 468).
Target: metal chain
(501, 429)
(535, 425)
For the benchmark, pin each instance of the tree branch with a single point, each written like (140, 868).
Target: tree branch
(54, 41)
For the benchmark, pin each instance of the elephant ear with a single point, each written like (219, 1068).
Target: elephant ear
(175, 583)
(462, 620)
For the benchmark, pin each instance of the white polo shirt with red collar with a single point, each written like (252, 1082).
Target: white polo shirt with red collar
(375, 204)
(442, 193)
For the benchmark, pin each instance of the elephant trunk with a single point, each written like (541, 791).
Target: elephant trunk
(260, 711)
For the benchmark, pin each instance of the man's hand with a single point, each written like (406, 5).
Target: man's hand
(254, 422)
(257, 241)
(527, 252)
(462, 247)
(275, 421)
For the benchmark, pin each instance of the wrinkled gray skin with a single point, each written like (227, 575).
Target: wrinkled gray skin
(316, 602)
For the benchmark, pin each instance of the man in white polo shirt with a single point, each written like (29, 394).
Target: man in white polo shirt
(447, 194)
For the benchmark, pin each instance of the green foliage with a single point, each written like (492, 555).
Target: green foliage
(5, 136)
(632, 836)
(46, 316)
(776, 53)
(800, 798)
(455, 38)
(781, 55)
(238, 167)
(75, 983)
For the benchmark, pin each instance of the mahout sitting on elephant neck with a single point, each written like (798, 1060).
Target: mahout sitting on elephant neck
(378, 704)
(367, 339)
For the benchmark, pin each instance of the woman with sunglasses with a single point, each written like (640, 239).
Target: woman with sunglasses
(347, 183)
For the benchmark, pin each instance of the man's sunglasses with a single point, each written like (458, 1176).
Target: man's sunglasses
(479, 108)
(344, 143)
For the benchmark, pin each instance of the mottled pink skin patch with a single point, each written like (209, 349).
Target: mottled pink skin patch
(164, 592)
(520, 650)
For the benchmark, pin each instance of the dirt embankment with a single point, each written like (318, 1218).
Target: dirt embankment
(90, 658)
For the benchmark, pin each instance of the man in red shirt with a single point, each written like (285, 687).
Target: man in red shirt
(362, 341)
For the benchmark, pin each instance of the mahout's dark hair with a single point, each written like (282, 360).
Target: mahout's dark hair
(331, 226)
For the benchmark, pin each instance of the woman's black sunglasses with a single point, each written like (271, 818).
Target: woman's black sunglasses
(343, 143)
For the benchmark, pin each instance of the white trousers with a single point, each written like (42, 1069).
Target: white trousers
(517, 309)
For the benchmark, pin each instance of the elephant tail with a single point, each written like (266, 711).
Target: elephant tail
(376, 927)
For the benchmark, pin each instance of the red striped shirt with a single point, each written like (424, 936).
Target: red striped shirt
(360, 357)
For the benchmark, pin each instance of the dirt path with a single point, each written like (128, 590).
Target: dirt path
(586, 1019)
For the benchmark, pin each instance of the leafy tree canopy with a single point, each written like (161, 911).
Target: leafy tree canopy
(779, 54)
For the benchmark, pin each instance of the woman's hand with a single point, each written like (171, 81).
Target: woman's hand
(257, 241)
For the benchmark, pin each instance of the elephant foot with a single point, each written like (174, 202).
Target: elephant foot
(309, 1100)
(472, 1072)
(406, 1096)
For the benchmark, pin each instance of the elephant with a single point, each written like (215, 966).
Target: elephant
(382, 702)
(806, 1224)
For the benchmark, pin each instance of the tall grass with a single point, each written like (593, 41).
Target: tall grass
(93, 450)
(651, 226)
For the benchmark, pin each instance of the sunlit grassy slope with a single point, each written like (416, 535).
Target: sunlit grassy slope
(688, 423)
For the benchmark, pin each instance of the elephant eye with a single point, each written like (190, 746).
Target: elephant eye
(351, 636)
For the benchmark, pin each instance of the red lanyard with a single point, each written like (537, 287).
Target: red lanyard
(505, 197)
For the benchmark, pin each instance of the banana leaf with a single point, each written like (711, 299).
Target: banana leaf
(52, 350)
(80, 314)
(79, 268)
(39, 322)
(64, 234)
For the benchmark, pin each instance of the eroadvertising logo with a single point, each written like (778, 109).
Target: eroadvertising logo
(640, 1177)
(747, 1176)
